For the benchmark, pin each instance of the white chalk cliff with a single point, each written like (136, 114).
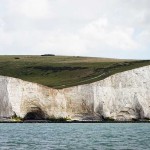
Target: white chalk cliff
(123, 96)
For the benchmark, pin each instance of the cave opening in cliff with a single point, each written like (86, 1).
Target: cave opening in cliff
(35, 114)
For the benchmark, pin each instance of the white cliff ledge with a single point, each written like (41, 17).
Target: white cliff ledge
(123, 96)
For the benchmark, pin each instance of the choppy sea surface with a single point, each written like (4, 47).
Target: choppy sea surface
(75, 136)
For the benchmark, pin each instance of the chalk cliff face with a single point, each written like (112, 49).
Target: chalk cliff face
(123, 96)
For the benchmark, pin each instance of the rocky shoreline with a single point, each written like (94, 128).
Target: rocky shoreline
(73, 121)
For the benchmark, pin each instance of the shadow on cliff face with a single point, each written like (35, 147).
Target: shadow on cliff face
(35, 114)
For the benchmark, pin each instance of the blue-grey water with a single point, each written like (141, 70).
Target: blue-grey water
(70, 136)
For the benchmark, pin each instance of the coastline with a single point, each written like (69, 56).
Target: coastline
(74, 121)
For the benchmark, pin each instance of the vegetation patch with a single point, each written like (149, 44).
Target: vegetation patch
(16, 118)
(48, 55)
(107, 119)
(57, 68)
(17, 58)
(60, 119)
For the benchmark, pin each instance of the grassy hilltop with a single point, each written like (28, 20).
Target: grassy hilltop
(64, 71)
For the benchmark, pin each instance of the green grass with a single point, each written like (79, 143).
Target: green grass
(64, 71)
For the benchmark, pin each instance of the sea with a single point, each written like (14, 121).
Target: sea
(74, 136)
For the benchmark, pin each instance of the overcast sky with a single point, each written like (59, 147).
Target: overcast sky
(101, 28)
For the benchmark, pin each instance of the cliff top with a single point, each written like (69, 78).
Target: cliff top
(64, 71)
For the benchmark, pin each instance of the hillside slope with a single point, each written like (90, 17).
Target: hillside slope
(64, 71)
